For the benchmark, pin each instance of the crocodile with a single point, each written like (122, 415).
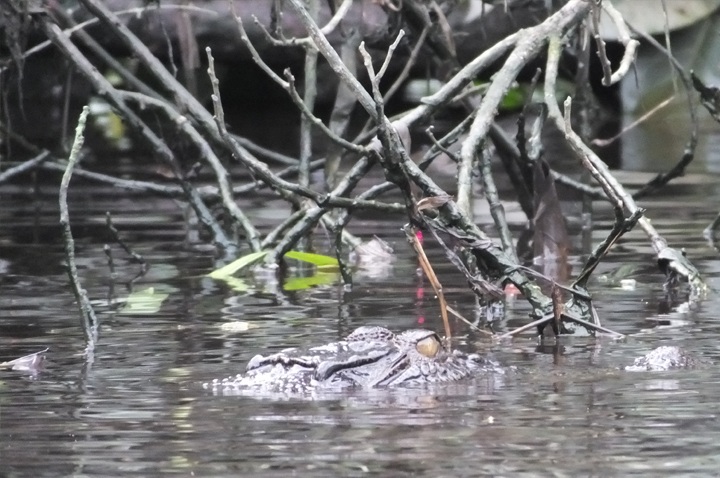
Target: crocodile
(375, 357)
(370, 357)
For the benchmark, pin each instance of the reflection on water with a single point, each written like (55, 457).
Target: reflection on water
(139, 408)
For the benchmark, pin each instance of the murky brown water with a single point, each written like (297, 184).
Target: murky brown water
(138, 409)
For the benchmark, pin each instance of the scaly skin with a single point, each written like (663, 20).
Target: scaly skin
(370, 357)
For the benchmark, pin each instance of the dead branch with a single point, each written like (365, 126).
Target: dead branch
(89, 319)
(165, 154)
(616, 193)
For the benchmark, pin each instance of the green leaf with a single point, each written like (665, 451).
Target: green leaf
(317, 259)
(143, 302)
(238, 285)
(321, 278)
(514, 100)
(235, 266)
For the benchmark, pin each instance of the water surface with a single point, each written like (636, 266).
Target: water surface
(138, 407)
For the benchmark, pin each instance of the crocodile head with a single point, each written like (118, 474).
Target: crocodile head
(370, 357)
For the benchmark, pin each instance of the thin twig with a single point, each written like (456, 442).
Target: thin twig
(689, 153)
(388, 57)
(130, 79)
(130, 11)
(520, 136)
(309, 95)
(207, 153)
(510, 157)
(412, 59)
(411, 234)
(440, 146)
(601, 52)
(535, 323)
(631, 45)
(608, 141)
(497, 210)
(610, 185)
(528, 46)
(24, 166)
(116, 236)
(89, 319)
(103, 87)
(620, 227)
(467, 322)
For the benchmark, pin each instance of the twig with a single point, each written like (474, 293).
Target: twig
(520, 136)
(278, 39)
(116, 236)
(24, 166)
(440, 146)
(284, 188)
(393, 152)
(324, 47)
(89, 319)
(603, 180)
(630, 44)
(482, 288)
(667, 42)
(709, 232)
(593, 192)
(621, 226)
(601, 52)
(345, 271)
(309, 95)
(307, 114)
(689, 153)
(535, 323)
(400, 80)
(610, 185)
(342, 108)
(411, 234)
(282, 228)
(496, 208)
(171, 191)
(608, 141)
(131, 11)
(388, 57)
(591, 326)
(182, 98)
(289, 87)
(445, 142)
(207, 153)
(314, 214)
(267, 153)
(95, 47)
(510, 157)
(111, 265)
(467, 322)
(103, 87)
(529, 45)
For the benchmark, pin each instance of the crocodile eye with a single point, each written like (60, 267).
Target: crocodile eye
(428, 346)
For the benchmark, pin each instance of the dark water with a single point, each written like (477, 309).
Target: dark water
(139, 409)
